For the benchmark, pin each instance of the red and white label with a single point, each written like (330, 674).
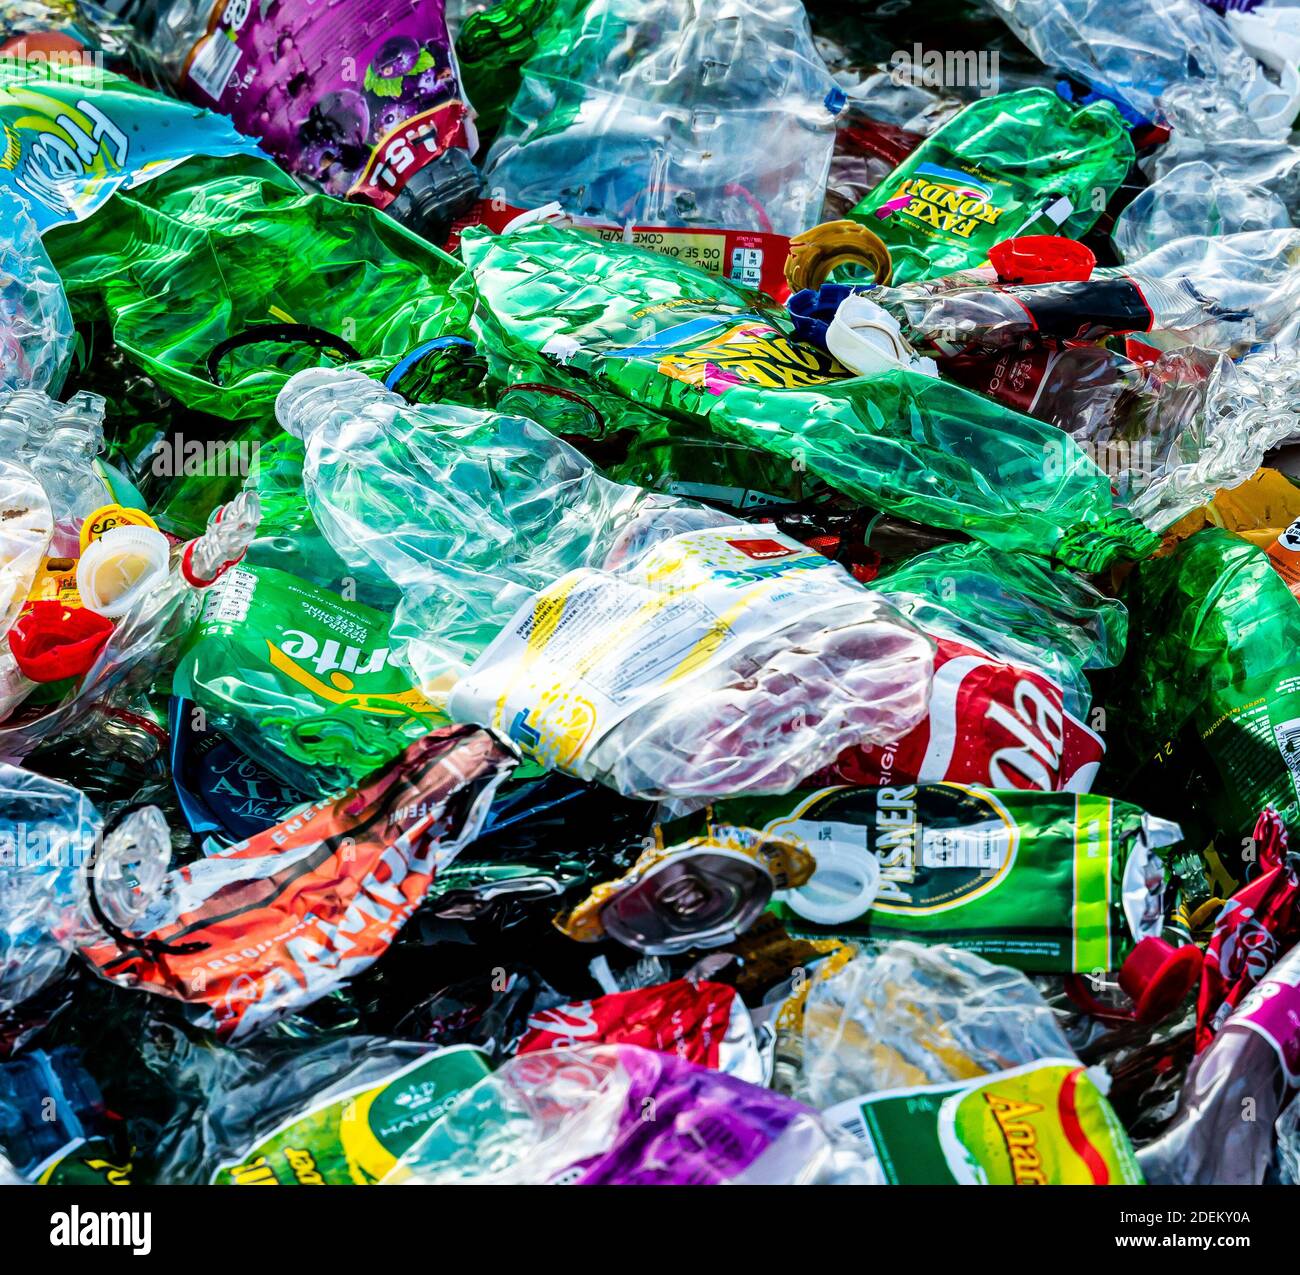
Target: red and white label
(690, 1020)
(990, 723)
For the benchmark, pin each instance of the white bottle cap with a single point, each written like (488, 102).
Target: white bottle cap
(866, 339)
(119, 568)
(843, 886)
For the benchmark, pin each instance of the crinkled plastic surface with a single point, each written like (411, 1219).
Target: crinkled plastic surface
(578, 1117)
(1016, 608)
(35, 323)
(1195, 199)
(26, 524)
(1143, 51)
(906, 1015)
(602, 609)
(1246, 283)
(608, 322)
(48, 831)
(835, 667)
(707, 113)
(1245, 409)
(156, 261)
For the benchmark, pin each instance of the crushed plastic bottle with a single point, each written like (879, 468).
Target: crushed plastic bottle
(743, 633)
(713, 113)
(486, 523)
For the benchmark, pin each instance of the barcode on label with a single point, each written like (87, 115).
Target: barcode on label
(214, 64)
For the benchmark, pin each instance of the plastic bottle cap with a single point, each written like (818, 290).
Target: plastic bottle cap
(816, 252)
(866, 339)
(1158, 975)
(120, 567)
(1041, 259)
(842, 889)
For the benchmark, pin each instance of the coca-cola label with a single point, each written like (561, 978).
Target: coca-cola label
(689, 1020)
(992, 723)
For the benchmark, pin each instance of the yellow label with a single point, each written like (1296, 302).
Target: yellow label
(106, 517)
(56, 581)
(704, 252)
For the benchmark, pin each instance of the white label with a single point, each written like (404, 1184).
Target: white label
(229, 600)
(586, 652)
(214, 64)
(981, 846)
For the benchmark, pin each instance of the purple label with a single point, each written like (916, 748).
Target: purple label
(687, 1126)
(354, 95)
(1273, 1011)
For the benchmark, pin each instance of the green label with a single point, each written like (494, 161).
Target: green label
(1251, 733)
(1043, 1124)
(89, 1163)
(1009, 165)
(289, 660)
(1027, 878)
(355, 1138)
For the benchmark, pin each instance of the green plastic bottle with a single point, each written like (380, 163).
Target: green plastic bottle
(631, 334)
(1205, 715)
(215, 248)
(1015, 164)
(301, 679)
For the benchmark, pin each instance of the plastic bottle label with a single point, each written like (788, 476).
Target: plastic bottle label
(595, 646)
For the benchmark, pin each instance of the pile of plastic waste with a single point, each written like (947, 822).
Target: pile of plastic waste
(649, 591)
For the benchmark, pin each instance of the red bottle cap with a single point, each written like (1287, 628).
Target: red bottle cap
(1041, 259)
(1158, 976)
(51, 641)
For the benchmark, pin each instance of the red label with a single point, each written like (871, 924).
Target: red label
(749, 259)
(990, 723)
(406, 150)
(682, 1018)
(1011, 376)
(762, 548)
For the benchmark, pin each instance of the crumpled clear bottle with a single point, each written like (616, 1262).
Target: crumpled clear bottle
(35, 322)
(488, 523)
(907, 1014)
(672, 113)
(48, 830)
(1160, 57)
(65, 465)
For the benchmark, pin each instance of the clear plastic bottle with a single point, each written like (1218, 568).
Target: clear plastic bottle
(65, 466)
(487, 523)
(467, 512)
(25, 416)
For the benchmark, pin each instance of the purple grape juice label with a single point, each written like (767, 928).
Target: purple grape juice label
(355, 96)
